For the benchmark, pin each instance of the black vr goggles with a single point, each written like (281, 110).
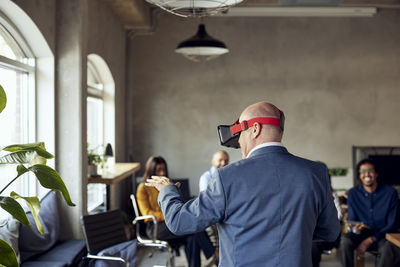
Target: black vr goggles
(229, 134)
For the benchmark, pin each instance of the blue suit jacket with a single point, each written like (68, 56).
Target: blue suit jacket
(268, 207)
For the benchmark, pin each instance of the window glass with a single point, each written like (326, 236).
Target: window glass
(95, 130)
(17, 120)
(95, 123)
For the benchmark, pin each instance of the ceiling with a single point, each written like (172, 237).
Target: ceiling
(136, 14)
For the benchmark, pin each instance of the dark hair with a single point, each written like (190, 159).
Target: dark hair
(365, 161)
(151, 166)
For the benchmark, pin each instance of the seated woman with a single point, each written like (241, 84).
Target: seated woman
(147, 202)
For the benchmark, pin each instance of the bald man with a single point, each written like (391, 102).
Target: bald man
(269, 206)
(219, 160)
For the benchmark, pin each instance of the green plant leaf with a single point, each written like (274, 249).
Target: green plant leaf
(3, 99)
(49, 178)
(17, 147)
(337, 171)
(30, 155)
(33, 153)
(8, 257)
(12, 206)
(37, 160)
(21, 170)
(18, 157)
(33, 204)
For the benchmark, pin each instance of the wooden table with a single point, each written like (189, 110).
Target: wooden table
(394, 238)
(114, 174)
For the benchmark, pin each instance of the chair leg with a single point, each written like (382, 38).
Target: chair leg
(359, 259)
(377, 257)
(171, 257)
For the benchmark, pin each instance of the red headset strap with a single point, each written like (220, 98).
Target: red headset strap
(244, 125)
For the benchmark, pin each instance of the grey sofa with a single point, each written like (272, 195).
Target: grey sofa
(36, 249)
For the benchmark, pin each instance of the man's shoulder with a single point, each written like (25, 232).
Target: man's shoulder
(387, 189)
(206, 174)
(291, 159)
(141, 188)
(236, 165)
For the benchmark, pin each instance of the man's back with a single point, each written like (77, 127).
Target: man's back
(268, 207)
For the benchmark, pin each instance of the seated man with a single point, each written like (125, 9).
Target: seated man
(219, 160)
(372, 209)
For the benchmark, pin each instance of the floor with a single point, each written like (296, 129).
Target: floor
(332, 260)
(157, 259)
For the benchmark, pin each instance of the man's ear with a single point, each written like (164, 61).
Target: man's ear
(256, 130)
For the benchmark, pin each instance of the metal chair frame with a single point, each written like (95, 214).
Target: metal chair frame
(154, 242)
(105, 229)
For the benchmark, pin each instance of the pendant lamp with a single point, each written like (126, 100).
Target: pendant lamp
(201, 47)
(194, 8)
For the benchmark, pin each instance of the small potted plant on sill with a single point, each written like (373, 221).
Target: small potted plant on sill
(94, 160)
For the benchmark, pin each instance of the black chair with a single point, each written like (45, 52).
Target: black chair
(374, 251)
(103, 230)
(106, 230)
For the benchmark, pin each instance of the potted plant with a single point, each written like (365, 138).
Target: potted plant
(94, 160)
(337, 171)
(27, 158)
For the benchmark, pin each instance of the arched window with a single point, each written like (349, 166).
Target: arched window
(100, 118)
(95, 107)
(17, 76)
(27, 75)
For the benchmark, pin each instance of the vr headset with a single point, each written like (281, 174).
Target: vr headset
(229, 134)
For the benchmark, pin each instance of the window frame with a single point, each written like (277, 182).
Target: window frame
(104, 91)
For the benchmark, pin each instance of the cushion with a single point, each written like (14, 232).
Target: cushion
(31, 242)
(44, 264)
(64, 253)
(9, 230)
(125, 250)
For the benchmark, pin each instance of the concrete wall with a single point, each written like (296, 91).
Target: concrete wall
(106, 37)
(43, 13)
(336, 79)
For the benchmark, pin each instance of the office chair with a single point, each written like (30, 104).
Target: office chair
(144, 240)
(106, 240)
(104, 230)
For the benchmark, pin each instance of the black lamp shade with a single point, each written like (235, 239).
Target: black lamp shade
(201, 46)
